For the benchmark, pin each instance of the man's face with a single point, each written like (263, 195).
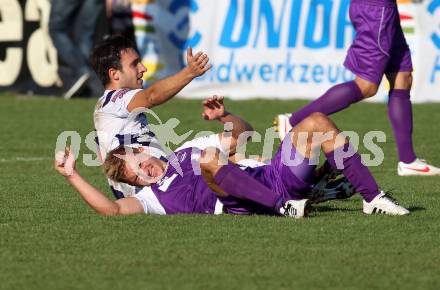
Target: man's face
(141, 169)
(132, 70)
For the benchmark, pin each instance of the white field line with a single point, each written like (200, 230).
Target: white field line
(24, 159)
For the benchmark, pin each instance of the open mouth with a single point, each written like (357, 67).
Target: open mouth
(151, 172)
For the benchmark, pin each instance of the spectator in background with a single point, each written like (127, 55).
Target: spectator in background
(120, 18)
(72, 27)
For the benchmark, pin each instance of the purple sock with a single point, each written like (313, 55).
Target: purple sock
(238, 183)
(334, 100)
(400, 114)
(357, 173)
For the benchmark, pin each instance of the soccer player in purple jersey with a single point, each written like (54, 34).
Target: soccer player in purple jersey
(379, 48)
(206, 182)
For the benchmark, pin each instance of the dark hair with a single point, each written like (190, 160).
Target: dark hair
(107, 54)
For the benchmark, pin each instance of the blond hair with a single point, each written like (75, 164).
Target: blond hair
(114, 164)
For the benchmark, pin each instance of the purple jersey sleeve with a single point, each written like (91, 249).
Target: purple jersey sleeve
(187, 192)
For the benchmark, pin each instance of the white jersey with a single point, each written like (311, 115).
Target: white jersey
(115, 126)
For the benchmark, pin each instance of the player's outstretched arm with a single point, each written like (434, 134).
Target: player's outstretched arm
(163, 90)
(237, 133)
(65, 165)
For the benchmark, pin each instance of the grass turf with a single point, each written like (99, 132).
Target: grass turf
(49, 239)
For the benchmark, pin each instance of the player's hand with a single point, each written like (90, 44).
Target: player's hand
(198, 63)
(213, 108)
(65, 162)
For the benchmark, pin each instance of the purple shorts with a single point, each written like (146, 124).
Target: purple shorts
(379, 46)
(289, 174)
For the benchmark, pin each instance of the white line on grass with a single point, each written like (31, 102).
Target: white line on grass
(26, 159)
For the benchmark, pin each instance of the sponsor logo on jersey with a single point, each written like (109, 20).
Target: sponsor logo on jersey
(181, 156)
(119, 94)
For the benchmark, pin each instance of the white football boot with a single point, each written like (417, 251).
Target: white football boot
(296, 208)
(418, 167)
(282, 125)
(384, 204)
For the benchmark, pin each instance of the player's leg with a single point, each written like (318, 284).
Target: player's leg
(322, 134)
(399, 75)
(334, 100)
(227, 179)
(366, 58)
(400, 115)
(337, 98)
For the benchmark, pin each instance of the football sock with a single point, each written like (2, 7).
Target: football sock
(240, 184)
(357, 173)
(334, 100)
(400, 114)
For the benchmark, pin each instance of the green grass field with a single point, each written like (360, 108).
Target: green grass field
(49, 238)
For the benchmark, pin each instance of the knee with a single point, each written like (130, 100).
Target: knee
(317, 121)
(367, 88)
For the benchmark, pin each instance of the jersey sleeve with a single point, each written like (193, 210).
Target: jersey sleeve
(116, 103)
(149, 201)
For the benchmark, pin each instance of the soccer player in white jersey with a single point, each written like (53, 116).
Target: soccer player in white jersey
(207, 180)
(119, 67)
